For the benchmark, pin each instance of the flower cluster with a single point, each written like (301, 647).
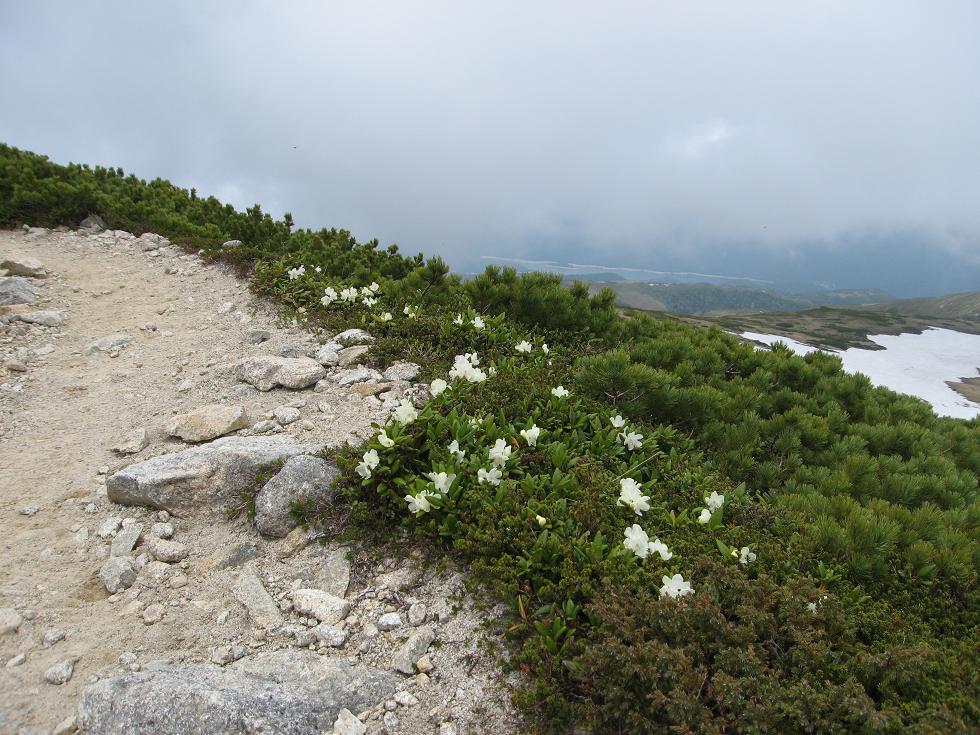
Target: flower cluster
(465, 368)
(350, 294)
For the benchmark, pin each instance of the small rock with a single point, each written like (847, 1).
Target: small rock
(322, 605)
(134, 443)
(264, 426)
(118, 574)
(126, 540)
(333, 637)
(92, 222)
(168, 551)
(402, 371)
(10, 620)
(28, 510)
(46, 318)
(391, 721)
(60, 673)
(348, 724)
(262, 609)
(406, 699)
(390, 621)
(17, 660)
(265, 372)
(447, 728)
(112, 343)
(301, 478)
(109, 528)
(16, 290)
(295, 541)
(416, 614)
(162, 530)
(185, 385)
(52, 636)
(208, 422)
(257, 336)
(413, 649)
(350, 355)
(19, 265)
(424, 665)
(353, 337)
(286, 415)
(222, 655)
(231, 244)
(153, 614)
(328, 354)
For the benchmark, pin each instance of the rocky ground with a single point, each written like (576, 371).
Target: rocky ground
(130, 601)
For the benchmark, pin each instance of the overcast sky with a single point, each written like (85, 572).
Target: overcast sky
(651, 134)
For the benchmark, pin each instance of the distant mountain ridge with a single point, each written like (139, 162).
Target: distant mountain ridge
(704, 299)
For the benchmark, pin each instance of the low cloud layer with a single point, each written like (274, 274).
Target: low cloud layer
(656, 135)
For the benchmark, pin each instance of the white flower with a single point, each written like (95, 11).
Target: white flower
(542, 521)
(349, 295)
(499, 453)
(437, 386)
(369, 461)
(631, 496)
(419, 503)
(458, 319)
(492, 476)
(442, 481)
(659, 547)
(618, 422)
(386, 441)
(632, 440)
(473, 423)
(369, 301)
(374, 287)
(523, 346)
(746, 556)
(478, 323)
(386, 317)
(366, 292)
(329, 296)
(705, 516)
(491, 371)
(714, 501)
(637, 541)
(295, 273)
(405, 413)
(318, 269)
(559, 392)
(545, 348)
(411, 311)
(675, 586)
(812, 607)
(455, 451)
(531, 435)
(465, 367)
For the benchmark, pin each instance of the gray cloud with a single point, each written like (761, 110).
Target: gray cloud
(642, 133)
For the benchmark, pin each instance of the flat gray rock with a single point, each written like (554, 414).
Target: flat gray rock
(294, 692)
(266, 372)
(208, 422)
(301, 478)
(46, 318)
(16, 290)
(262, 609)
(210, 475)
(20, 265)
(354, 337)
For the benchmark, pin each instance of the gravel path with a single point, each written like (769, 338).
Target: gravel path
(62, 410)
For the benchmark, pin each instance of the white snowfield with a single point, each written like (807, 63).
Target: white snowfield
(917, 364)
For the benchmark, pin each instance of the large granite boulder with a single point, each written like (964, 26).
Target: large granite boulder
(265, 372)
(210, 475)
(20, 265)
(301, 478)
(294, 692)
